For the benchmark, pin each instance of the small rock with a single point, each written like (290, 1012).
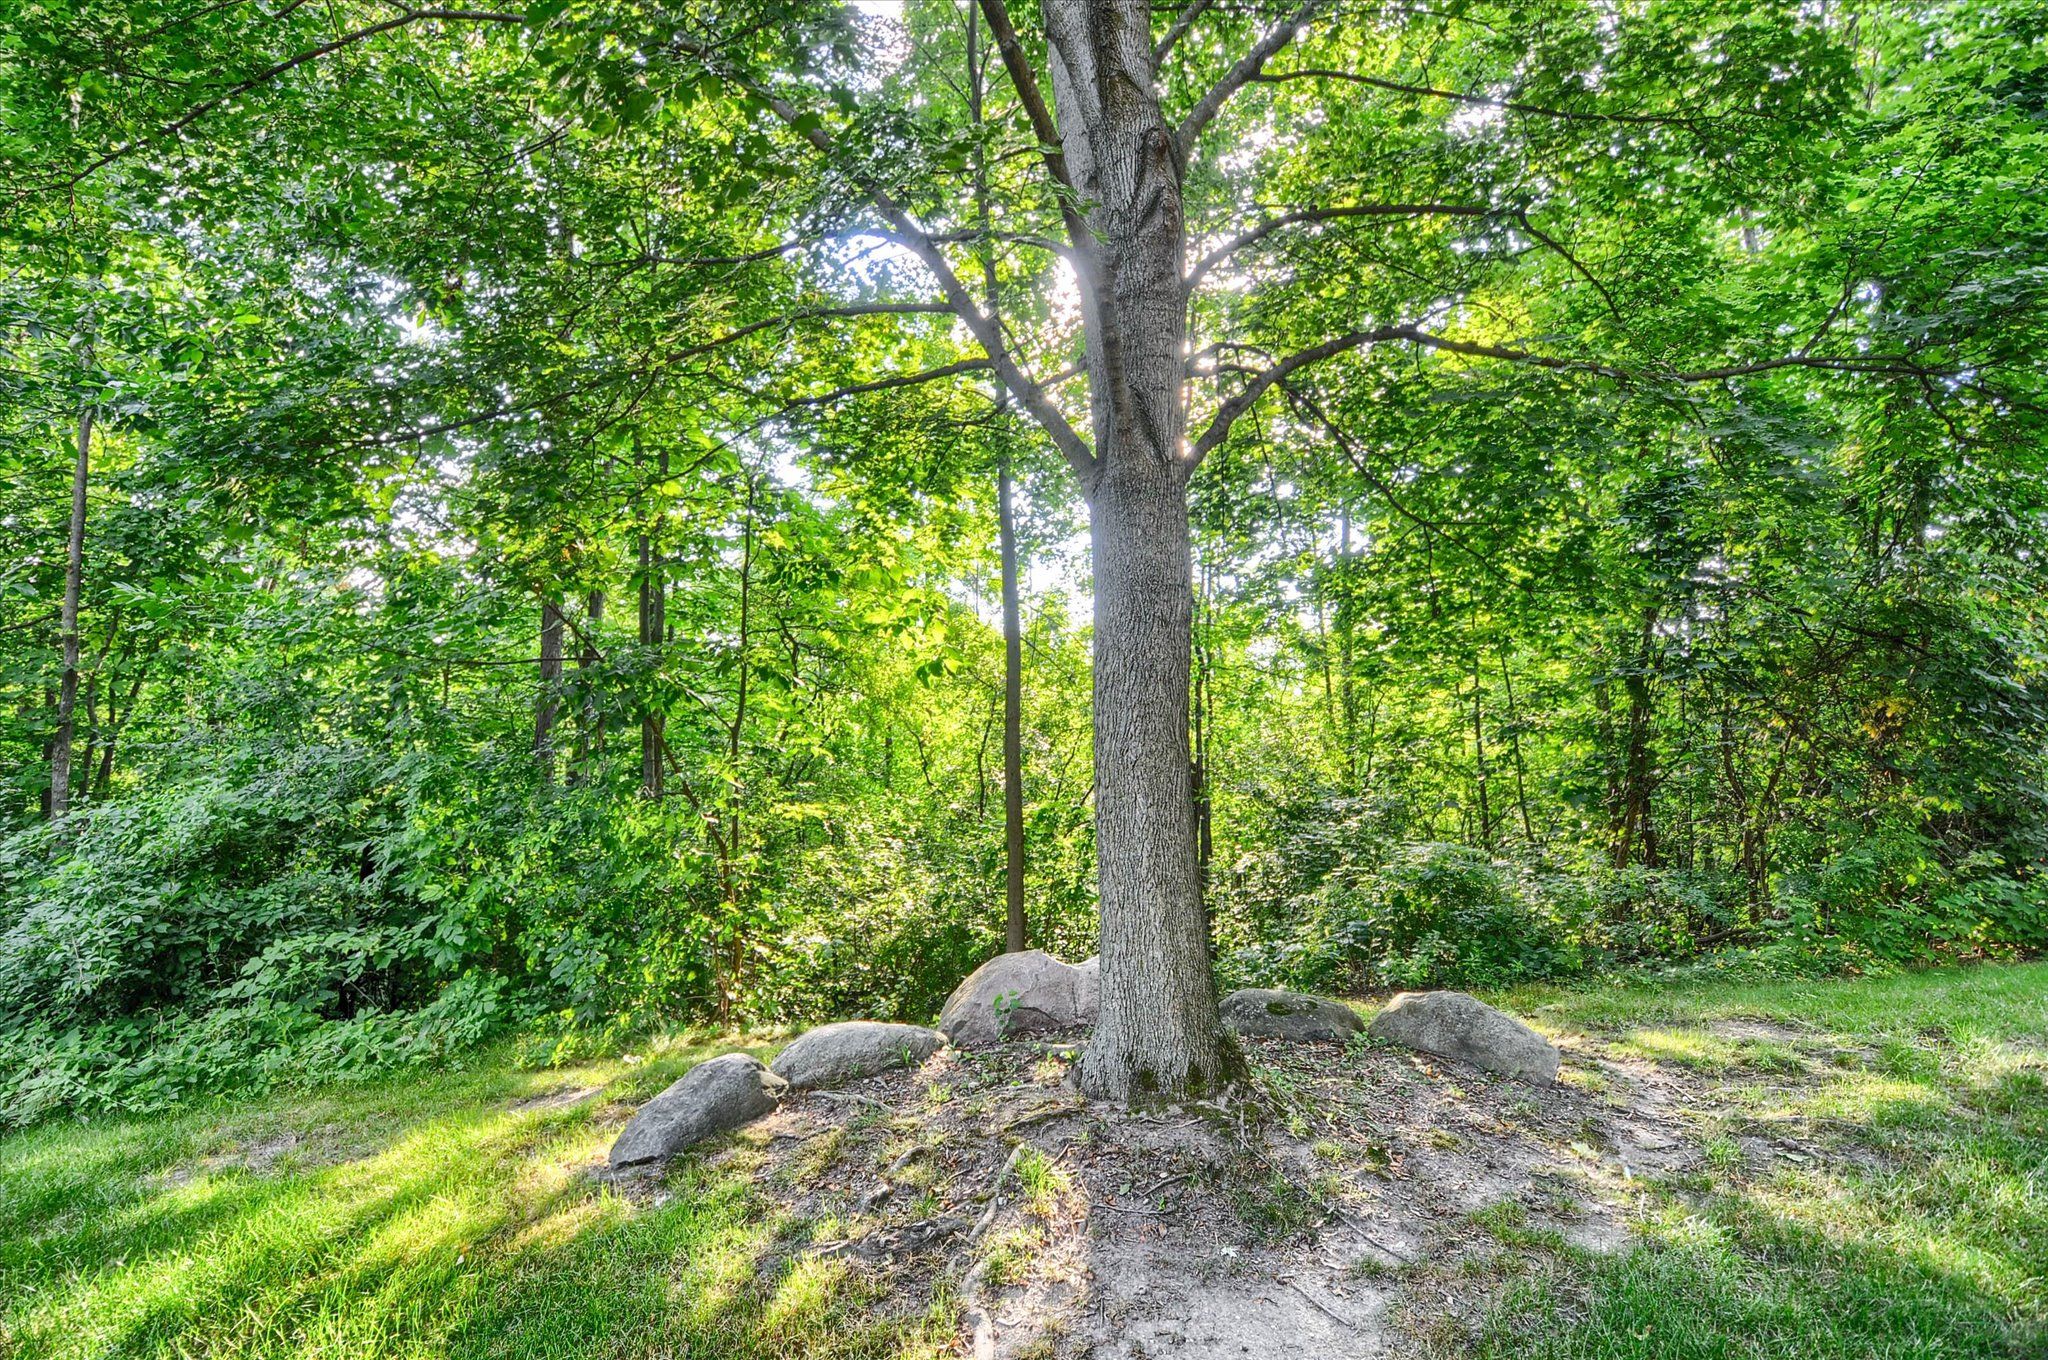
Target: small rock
(1289, 1015)
(1454, 1025)
(1017, 993)
(713, 1097)
(832, 1055)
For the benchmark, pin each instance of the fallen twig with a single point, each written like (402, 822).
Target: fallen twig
(1321, 1307)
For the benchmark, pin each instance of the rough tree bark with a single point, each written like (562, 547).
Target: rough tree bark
(1158, 1034)
(74, 575)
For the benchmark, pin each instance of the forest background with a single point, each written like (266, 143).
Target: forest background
(541, 569)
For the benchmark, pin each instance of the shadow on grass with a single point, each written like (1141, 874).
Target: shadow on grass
(454, 1225)
(1917, 1230)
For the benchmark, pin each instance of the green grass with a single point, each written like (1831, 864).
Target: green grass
(1919, 1233)
(415, 1216)
(424, 1216)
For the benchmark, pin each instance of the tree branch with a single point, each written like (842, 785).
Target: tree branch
(1288, 219)
(1478, 100)
(812, 314)
(1572, 260)
(1025, 81)
(1227, 414)
(1070, 444)
(1273, 224)
(1247, 69)
(1182, 22)
(889, 383)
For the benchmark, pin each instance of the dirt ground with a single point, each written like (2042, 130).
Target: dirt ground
(1357, 1202)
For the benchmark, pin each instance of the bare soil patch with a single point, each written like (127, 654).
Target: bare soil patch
(1361, 1201)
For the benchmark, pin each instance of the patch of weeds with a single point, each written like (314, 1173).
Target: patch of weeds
(1693, 1049)
(1723, 1153)
(813, 1159)
(1375, 1267)
(1443, 1140)
(1327, 1150)
(1275, 1208)
(1522, 1109)
(1508, 1222)
(1584, 1079)
(1378, 1158)
(1044, 1181)
(921, 1173)
(1007, 1258)
(1766, 1055)
(937, 1094)
(1909, 1062)
(2023, 1092)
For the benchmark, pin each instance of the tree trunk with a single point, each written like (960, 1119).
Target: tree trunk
(590, 721)
(1346, 660)
(1204, 731)
(1479, 771)
(1014, 934)
(653, 624)
(1013, 723)
(727, 967)
(1635, 826)
(550, 686)
(1515, 745)
(74, 575)
(1158, 1036)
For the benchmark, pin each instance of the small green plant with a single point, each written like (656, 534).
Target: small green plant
(1007, 1258)
(1508, 1221)
(1274, 1207)
(1044, 1181)
(1723, 1153)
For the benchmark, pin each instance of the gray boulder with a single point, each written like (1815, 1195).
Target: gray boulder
(1019, 993)
(1454, 1025)
(713, 1097)
(831, 1055)
(1289, 1015)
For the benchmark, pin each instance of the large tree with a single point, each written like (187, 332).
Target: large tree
(1562, 113)
(1228, 215)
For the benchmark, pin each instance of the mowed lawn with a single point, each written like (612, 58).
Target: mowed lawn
(449, 1214)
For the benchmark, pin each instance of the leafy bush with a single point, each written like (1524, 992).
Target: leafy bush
(153, 1061)
(1432, 916)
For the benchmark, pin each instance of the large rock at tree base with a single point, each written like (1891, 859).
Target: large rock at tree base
(1015, 994)
(1289, 1015)
(713, 1097)
(833, 1054)
(1454, 1025)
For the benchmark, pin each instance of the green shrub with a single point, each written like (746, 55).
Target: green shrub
(1438, 916)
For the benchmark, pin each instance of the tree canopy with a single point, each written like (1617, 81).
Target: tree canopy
(1503, 489)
